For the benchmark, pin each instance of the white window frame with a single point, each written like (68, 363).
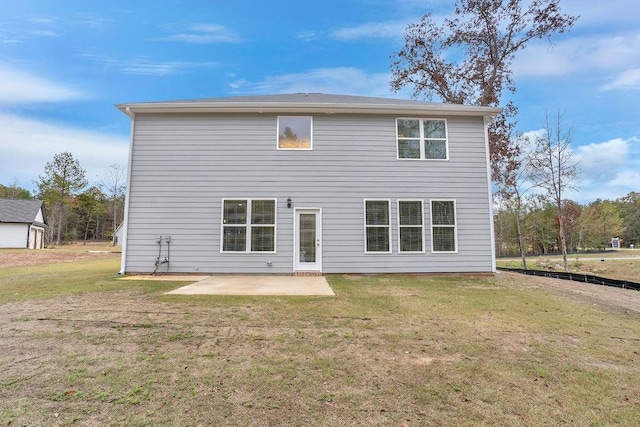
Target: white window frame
(248, 226)
(388, 201)
(454, 226)
(423, 138)
(294, 149)
(411, 226)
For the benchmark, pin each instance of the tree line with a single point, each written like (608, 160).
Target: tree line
(589, 227)
(73, 209)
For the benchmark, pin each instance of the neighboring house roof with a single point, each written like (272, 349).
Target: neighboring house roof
(307, 103)
(21, 211)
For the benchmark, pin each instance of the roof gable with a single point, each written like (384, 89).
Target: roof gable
(21, 211)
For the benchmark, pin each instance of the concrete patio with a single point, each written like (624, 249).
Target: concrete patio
(246, 285)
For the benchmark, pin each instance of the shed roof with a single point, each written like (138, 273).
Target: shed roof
(20, 211)
(307, 103)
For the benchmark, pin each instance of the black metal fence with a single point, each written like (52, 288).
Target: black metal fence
(576, 277)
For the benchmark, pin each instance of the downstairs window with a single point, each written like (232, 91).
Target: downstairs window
(377, 226)
(248, 225)
(443, 226)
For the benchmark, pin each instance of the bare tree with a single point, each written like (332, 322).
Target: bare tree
(554, 170)
(485, 35)
(113, 184)
(513, 184)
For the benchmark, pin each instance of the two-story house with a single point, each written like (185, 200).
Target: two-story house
(283, 184)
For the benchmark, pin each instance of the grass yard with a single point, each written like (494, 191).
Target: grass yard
(80, 347)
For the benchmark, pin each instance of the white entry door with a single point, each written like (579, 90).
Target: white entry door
(308, 240)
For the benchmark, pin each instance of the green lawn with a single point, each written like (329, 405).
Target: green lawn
(387, 351)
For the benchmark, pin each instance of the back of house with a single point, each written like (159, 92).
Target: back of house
(307, 183)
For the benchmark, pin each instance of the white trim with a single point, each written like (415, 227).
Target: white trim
(296, 239)
(490, 197)
(248, 226)
(294, 149)
(455, 225)
(125, 220)
(400, 251)
(364, 205)
(35, 229)
(422, 139)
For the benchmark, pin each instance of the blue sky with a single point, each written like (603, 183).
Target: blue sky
(64, 64)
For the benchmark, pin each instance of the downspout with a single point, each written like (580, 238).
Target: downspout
(490, 195)
(125, 220)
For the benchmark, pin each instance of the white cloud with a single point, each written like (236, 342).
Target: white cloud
(602, 13)
(342, 80)
(44, 33)
(579, 55)
(10, 39)
(238, 84)
(146, 66)
(93, 21)
(20, 87)
(204, 33)
(531, 136)
(604, 158)
(377, 30)
(604, 44)
(27, 144)
(629, 79)
(308, 36)
(43, 21)
(609, 169)
(628, 179)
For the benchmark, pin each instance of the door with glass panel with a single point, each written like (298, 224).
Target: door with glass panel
(308, 240)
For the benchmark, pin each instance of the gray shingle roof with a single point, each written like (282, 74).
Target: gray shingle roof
(307, 103)
(303, 98)
(21, 211)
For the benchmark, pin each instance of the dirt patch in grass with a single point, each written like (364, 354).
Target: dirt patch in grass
(71, 252)
(605, 296)
(45, 256)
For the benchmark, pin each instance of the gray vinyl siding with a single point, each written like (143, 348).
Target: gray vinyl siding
(182, 166)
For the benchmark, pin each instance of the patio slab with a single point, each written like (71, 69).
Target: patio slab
(246, 285)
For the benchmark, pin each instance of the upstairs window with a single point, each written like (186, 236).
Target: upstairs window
(377, 226)
(295, 133)
(249, 225)
(443, 226)
(422, 139)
